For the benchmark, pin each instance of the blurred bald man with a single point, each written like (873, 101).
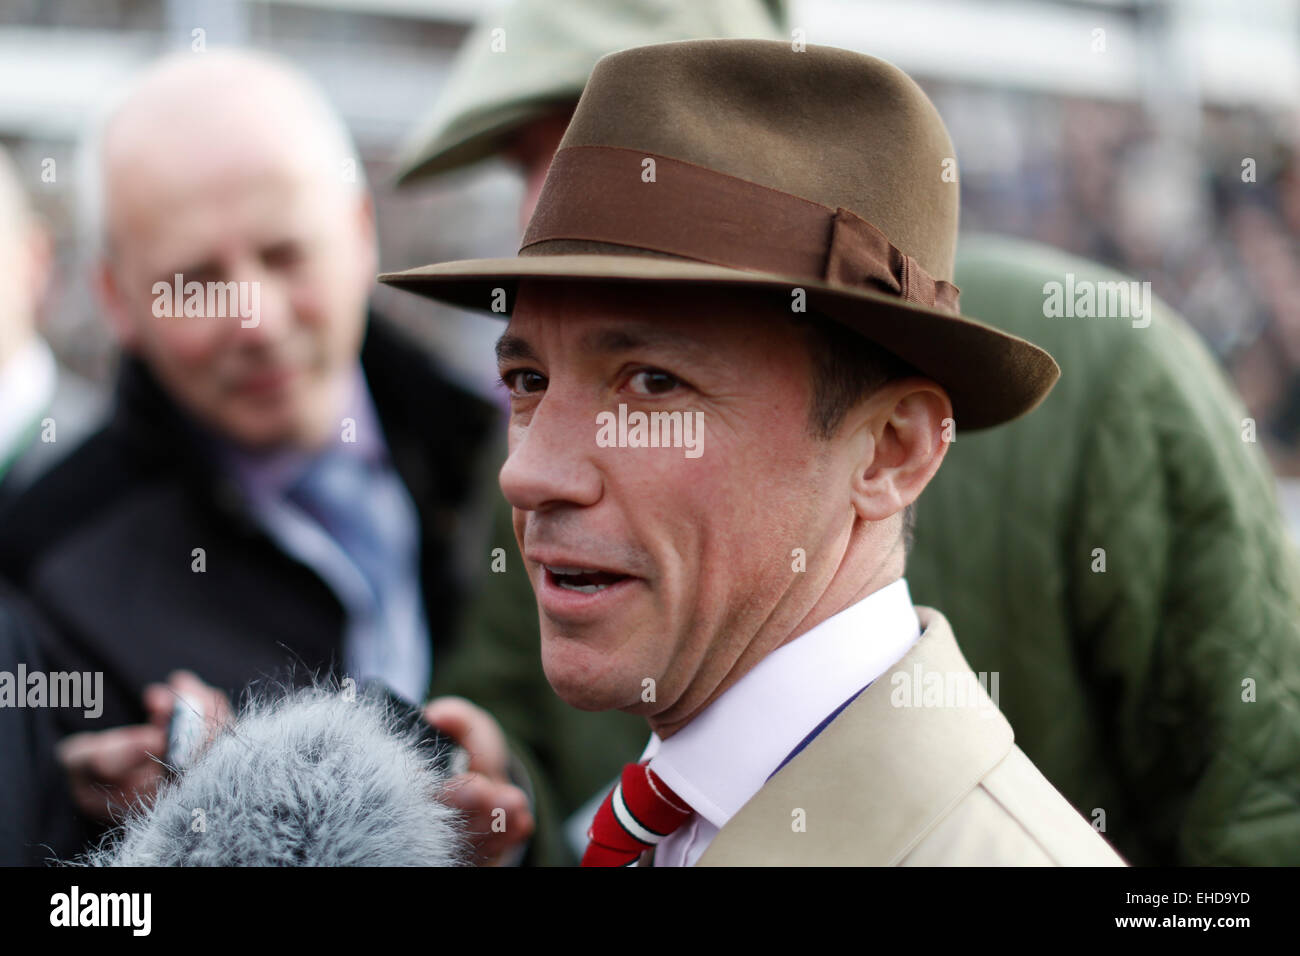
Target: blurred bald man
(45, 410)
(285, 481)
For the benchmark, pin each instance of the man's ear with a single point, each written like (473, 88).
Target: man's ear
(906, 420)
(114, 303)
(368, 237)
(40, 259)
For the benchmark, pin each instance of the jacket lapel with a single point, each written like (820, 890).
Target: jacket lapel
(870, 786)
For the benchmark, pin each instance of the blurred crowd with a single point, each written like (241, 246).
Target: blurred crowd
(1210, 217)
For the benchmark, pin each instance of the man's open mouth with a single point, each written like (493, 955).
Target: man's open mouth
(583, 580)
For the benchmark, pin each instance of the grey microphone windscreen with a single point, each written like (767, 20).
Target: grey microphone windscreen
(318, 777)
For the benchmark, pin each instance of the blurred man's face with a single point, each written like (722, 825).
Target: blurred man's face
(531, 148)
(686, 561)
(255, 215)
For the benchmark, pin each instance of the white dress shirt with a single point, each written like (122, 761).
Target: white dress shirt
(718, 761)
(27, 384)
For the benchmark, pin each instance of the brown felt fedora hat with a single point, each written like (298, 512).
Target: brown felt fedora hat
(753, 164)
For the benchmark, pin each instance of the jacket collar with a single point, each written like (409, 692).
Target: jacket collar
(879, 777)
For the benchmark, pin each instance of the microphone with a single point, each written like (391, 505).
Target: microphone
(319, 777)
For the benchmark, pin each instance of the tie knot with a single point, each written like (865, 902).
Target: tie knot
(638, 813)
(334, 479)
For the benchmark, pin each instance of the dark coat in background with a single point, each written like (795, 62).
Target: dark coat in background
(38, 821)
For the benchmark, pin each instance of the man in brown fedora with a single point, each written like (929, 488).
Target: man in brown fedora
(759, 238)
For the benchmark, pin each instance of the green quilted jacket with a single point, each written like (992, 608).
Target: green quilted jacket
(1161, 695)
(1163, 692)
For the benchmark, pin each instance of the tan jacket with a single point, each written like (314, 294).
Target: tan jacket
(887, 785)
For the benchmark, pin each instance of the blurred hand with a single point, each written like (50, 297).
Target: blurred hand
(110, 770)
(496, 812)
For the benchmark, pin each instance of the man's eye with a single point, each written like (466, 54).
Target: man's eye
(282, 255)
(652, 381)
(524, 381)
(205, 273)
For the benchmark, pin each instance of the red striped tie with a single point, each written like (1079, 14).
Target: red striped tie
(638, 813)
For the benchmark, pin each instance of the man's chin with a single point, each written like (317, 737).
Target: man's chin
(582, 677)
(585, 697)
(263, 436)
(276, 428)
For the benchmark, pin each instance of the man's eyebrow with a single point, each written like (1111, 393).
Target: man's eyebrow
(511, 347)
(203, 267)
(607, 341)
(612, 340)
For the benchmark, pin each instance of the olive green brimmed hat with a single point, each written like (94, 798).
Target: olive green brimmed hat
(532, 57)
(756, 164)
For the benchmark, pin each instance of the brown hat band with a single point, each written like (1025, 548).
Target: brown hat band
(606, 194)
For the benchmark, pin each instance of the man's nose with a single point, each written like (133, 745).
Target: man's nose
(551, 460)
(266, 313)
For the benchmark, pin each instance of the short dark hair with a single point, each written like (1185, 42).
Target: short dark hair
(848, 367)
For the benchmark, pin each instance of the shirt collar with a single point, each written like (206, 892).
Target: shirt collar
(27, 383)
(718, 761)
